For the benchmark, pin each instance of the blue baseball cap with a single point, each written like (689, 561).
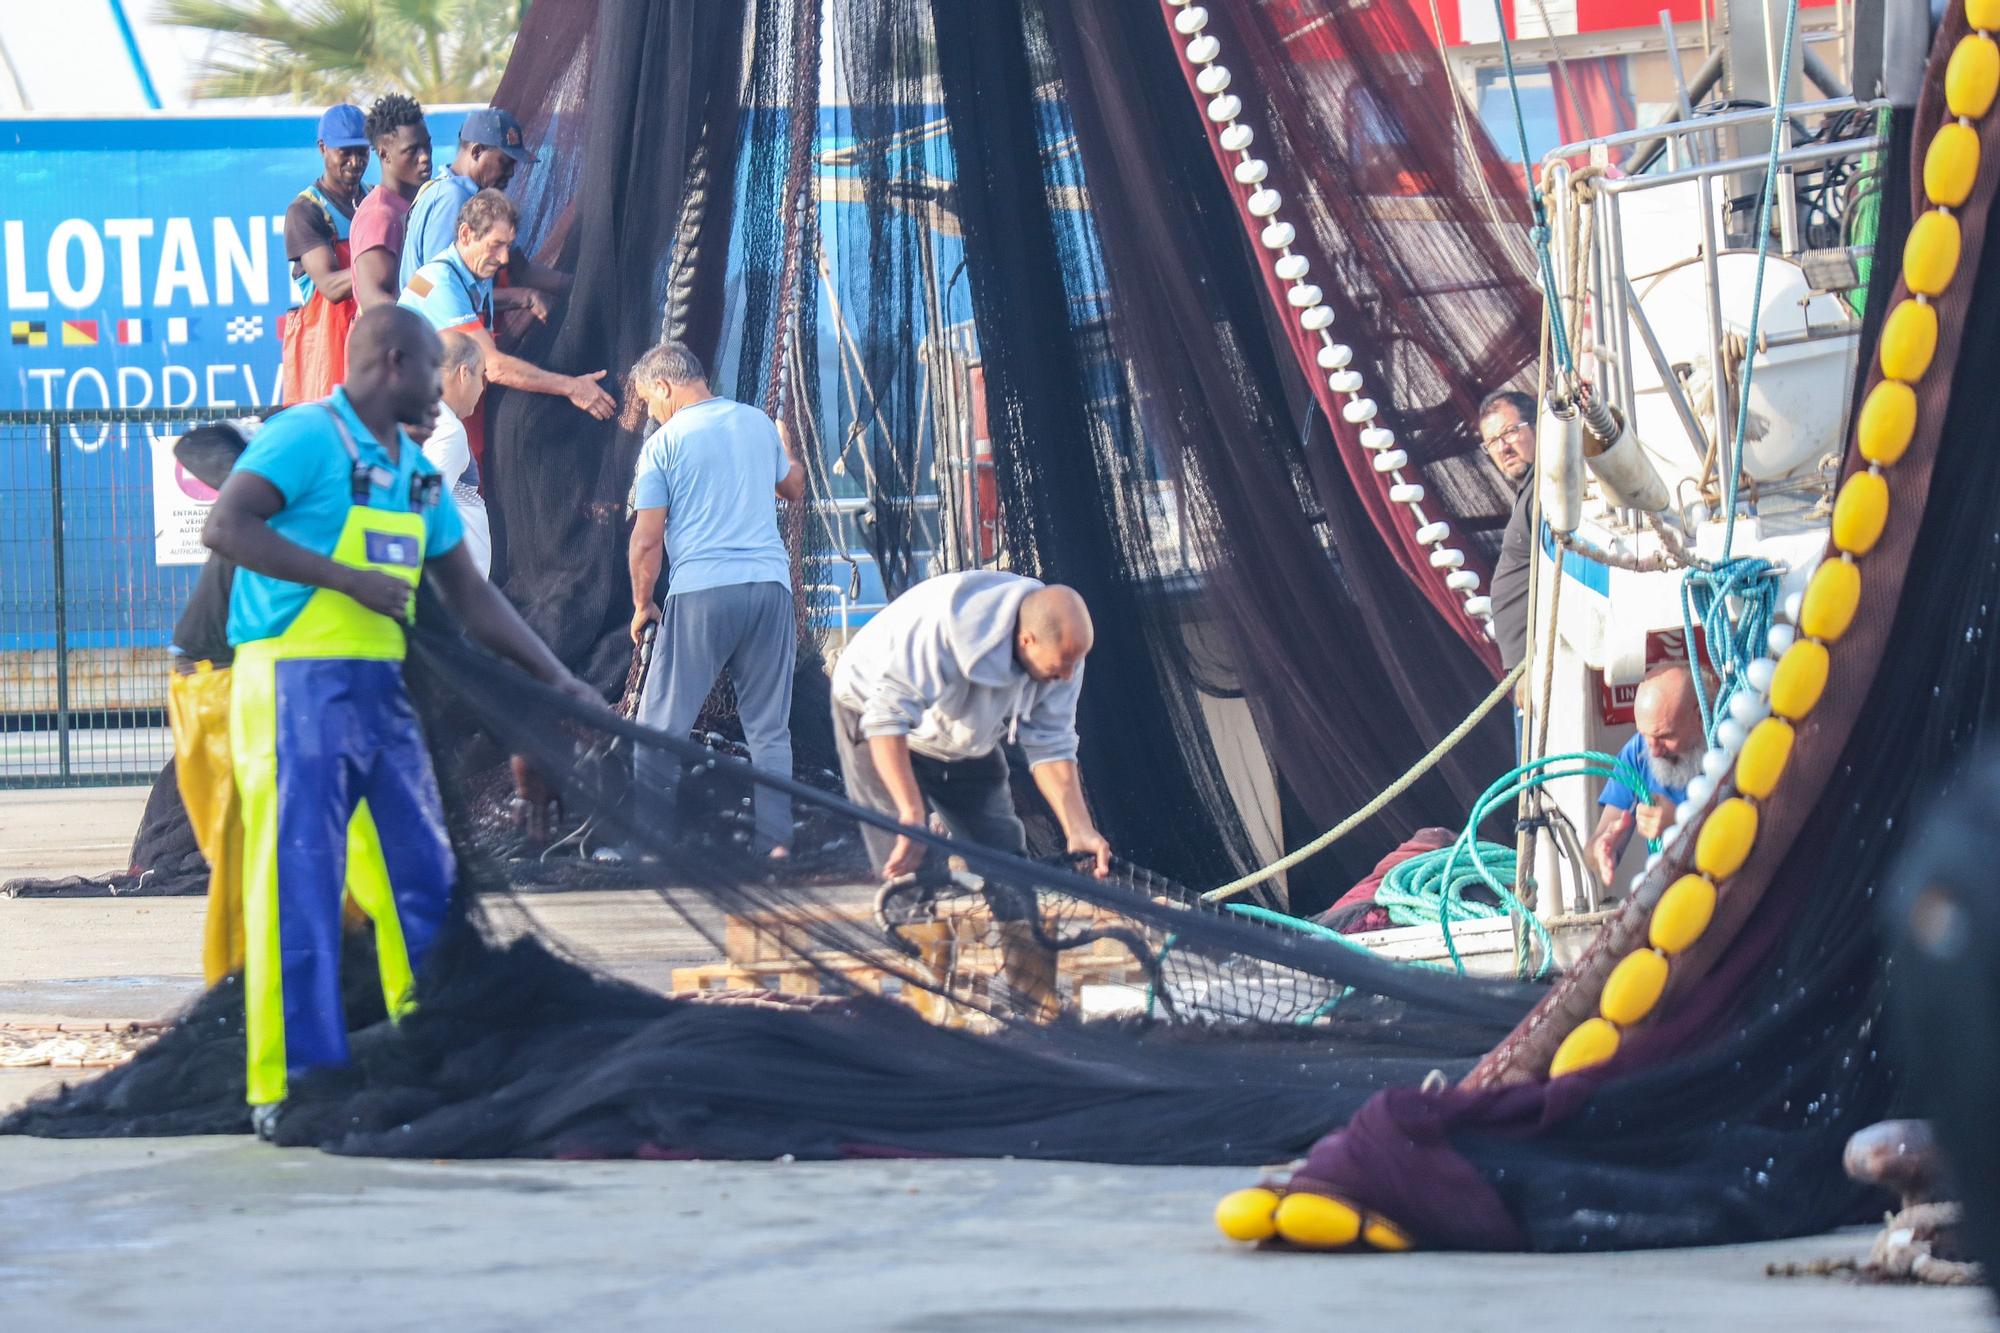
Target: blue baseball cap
(490, 127)
(343, 127)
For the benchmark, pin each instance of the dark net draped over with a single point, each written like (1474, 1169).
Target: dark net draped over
(1136, 384)
(1157, 444)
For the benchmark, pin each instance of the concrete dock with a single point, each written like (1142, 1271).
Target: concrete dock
(229, 1233)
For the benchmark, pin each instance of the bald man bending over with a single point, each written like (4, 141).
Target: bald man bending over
(1667, 750)
(929, 688)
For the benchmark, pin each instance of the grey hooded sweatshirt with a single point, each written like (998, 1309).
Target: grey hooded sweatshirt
(937, 665)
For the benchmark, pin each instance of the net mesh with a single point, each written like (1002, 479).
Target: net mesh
(1154, 445)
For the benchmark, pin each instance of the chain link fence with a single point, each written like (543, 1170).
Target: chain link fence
(99, 548)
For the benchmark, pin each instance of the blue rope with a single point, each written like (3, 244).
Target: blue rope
(1539, 233)
(1732, 645)
(1733, 464)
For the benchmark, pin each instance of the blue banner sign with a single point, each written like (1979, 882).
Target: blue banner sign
(143, 260)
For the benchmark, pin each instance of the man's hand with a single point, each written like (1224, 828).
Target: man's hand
(589, 396)
(534, 303)
(1091, 841)
(1603, 862)
(381, 593)
(1652, 818)
(648, 614)
(905, 856)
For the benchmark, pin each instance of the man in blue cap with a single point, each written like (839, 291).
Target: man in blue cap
(316, 230)
(490, 146)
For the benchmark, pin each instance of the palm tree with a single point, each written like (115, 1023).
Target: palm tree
(320, 51)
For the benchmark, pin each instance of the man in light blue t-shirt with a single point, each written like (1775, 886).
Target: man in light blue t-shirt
(706, 496)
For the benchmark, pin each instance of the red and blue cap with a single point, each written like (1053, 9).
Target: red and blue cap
(490, 127)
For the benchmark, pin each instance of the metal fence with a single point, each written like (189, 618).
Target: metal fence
(98, 552)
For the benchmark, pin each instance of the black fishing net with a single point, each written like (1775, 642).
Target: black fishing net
(1019, 205)
(1018, 1006)
(913, 1019)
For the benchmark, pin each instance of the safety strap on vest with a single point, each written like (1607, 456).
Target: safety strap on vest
(424, 488)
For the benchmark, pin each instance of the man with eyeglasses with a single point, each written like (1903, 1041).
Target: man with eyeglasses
(1507, 434)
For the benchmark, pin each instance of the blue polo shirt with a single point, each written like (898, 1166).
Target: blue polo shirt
(1636, 757)
(433, 224)
(301, 454)
(715, 469)
(446, 293)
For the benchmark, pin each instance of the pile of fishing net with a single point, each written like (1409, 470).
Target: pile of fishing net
(1119, 345)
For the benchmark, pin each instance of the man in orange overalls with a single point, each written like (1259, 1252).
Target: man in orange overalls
(316, 227)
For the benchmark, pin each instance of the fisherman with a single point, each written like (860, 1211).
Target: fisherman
(490, 148)
(927, 690)
(314, 351)
(464, 376)
(706, 494)
(332, 516)
(198, 694)
(455, 293)
(403, 143)
(198, 713)
(1667, 750)
(1507, 434)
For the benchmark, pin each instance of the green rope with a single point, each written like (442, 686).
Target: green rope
(1539, 233)
(1732, 644)
(1430, 888)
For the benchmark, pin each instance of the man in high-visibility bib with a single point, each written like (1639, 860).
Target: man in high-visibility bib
(332, 516)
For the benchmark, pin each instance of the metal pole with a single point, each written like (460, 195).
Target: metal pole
(132, 53)
(62, 601)
(1668, 380)
(14, 76)
(1714, 312)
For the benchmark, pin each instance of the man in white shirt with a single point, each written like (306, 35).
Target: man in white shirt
(464, 375)
(928, 689)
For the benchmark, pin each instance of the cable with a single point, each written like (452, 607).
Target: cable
(1374, 807)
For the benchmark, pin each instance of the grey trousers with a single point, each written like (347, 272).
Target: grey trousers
(971, 796)
(749, 628)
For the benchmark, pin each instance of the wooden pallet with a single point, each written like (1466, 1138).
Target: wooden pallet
(958, 953)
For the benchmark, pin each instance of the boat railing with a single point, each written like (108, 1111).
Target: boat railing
(1694, 162)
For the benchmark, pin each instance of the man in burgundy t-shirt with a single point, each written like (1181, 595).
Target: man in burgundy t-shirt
(403, 142)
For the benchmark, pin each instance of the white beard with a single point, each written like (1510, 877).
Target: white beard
(1674, 772)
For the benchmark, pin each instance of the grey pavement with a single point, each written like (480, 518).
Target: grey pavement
(227, 1233)
(209, 1233)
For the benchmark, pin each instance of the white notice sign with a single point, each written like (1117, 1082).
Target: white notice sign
(180, 507)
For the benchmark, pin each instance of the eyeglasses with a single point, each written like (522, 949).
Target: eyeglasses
(1506, 436)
